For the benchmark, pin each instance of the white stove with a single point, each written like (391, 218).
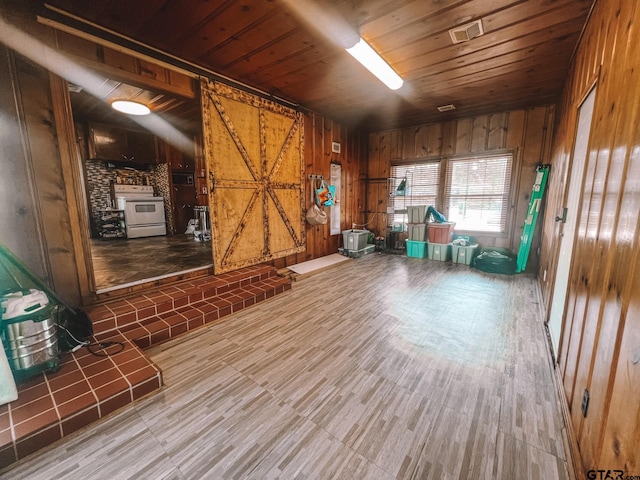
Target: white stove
(143, 212)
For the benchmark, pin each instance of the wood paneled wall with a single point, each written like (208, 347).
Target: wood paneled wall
(319, 133)
(526, 132)
(600, 344)
(38, 227)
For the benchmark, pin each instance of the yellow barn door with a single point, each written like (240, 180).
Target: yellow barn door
(254, 154)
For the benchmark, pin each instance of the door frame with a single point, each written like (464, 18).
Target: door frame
(74, 186)
(558, 299)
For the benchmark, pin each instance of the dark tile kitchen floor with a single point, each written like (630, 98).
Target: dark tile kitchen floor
(124, 261)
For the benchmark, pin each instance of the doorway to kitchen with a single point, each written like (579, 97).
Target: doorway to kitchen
(135, 173)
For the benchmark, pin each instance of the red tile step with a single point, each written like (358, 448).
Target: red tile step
(150, 318)
(88, 387)
(84, 389)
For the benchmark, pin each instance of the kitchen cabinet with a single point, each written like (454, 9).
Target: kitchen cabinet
(116, 144)
(184, 199)
(179, 160)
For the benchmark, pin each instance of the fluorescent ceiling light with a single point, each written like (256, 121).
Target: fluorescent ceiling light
(132, 108)
(373, 62)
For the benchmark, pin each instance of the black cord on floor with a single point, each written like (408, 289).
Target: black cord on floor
(99, 349)
(103, 346)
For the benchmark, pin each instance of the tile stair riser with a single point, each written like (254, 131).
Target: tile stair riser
(154, 330)
(126, 313)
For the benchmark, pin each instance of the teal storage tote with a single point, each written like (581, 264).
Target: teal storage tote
(416, 249)
(462, 254)
(440, 251)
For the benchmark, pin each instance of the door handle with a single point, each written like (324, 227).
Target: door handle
(562, 218)
(213, 182)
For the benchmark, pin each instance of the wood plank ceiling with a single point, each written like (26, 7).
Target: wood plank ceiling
(521, 60)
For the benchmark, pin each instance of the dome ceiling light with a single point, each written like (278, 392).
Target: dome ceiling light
(131, 108)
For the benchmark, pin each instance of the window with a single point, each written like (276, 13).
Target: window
(477, 193)
(422, 188)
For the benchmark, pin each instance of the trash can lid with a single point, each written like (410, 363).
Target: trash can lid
(25, 302)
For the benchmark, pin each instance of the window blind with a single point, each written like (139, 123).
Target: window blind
(422, 185)
(477, 193)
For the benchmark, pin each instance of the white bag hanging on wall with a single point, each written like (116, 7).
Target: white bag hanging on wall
(316, 216)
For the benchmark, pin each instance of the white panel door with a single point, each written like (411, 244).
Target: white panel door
(569, 230)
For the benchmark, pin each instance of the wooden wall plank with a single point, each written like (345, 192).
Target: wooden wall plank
(479, 133)
(19, 211)
(600, 339)
(48, 182)
(421, 141)
(463, 135)
(483, 134)
(408, 143)
(532, 155)
(449, 138)
(619, 431)
(434, 140)
(497, 130)
(320, 132)
(514, 136)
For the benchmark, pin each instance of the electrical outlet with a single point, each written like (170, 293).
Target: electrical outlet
(585, 402)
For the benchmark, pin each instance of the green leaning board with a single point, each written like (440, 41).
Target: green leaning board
(537, 192)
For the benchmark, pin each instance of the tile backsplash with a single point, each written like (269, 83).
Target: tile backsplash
(99, 178)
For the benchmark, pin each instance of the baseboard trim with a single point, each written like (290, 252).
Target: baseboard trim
(574, 465)
(572, 450)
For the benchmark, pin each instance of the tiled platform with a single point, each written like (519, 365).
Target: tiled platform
(88, 387)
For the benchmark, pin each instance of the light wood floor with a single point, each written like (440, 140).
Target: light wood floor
(382, 367)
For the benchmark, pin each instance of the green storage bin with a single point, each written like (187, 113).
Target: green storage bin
(464, 255)
(417, 232)
(416, 249)
(416, 213)
(440, 251)
(355, 239)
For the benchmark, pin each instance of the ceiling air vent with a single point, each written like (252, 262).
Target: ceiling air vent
(466, 32)
(446, 108)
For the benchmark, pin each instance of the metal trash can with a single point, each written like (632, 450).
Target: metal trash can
(29, 332)
(203, 231)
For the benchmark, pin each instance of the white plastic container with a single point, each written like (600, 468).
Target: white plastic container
(8, 390)
(417, 213)
(30, 332)
(355, 239)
